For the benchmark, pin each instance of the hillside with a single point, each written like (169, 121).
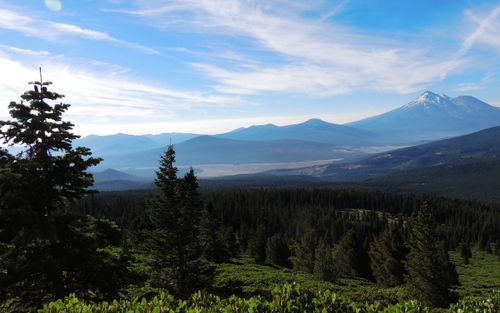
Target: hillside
(477, 146)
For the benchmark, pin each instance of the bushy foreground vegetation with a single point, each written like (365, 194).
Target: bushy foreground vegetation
(287, 298)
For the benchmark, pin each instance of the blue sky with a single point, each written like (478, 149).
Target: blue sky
(208, 66)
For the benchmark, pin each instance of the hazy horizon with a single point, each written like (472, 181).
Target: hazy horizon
(208, 67)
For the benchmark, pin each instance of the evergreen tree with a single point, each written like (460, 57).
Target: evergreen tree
(216, 242)
(497, 249)
(465, 252)
(48, 250)
(257, 244)
(431, 276)
(345, 257)
(277, 251)
(388, 254)
(323, 262)
(303, 259)
(52, 171)
(174, 239)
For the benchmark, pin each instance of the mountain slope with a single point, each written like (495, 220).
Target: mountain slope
(477, 179)
(432, 116)
(479, 146)
(315, 130)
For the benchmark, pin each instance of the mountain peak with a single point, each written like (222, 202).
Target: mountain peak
(429, 98)
(315, 121)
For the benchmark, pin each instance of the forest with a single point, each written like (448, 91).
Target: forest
(66, 248)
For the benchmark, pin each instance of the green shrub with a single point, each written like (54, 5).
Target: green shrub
(285, 299)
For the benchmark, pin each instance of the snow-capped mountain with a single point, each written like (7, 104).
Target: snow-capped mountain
(432, 116)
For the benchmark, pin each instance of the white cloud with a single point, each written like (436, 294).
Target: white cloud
(101, 94)
(23, 51)
(485, 33)
(29, 26)
(476, 85)
(317, 57)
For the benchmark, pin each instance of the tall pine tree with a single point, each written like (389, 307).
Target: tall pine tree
(48, 250)
(324, 267)
(174, 239)
(388, 254)
(431, 275)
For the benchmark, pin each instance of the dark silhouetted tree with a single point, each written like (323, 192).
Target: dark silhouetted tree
(174, 238)
(344, 255)
(323, 262)
(303, 259)
(216, 246)
(47, 249)
(277, 251)
(257, 244)
(431, 276)
(465, 252)
(388, 254)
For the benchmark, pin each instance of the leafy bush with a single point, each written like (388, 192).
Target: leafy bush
(490, 304)
(285, 299)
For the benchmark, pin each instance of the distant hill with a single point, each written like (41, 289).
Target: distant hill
(477, 146)
(431, 116)
(314, 130)
(477, 179)
(111, 179)
(465, 167)
(119, 144)
(213, 150)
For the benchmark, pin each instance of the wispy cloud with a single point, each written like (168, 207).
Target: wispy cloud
(486, 31)
(100, 93)
(317, 57)
(476, 85)
(30, 26)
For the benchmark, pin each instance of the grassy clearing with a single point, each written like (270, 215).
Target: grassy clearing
(244, 277)
(480, 276)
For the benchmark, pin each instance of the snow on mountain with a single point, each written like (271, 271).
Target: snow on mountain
(430, 117)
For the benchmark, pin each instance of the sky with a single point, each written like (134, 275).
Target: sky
(210, 66)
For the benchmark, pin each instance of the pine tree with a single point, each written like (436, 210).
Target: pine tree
(388, 254)
(174, 239)
(216, 242)
(324, 267)
(277, 251)
(304, 251)
(465, 252)
(431, 275)
(52, 171)
(48, 250)
(257, 244)
(345, 257)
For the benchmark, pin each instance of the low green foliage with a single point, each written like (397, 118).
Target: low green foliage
(485, 304)
(285, 299)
